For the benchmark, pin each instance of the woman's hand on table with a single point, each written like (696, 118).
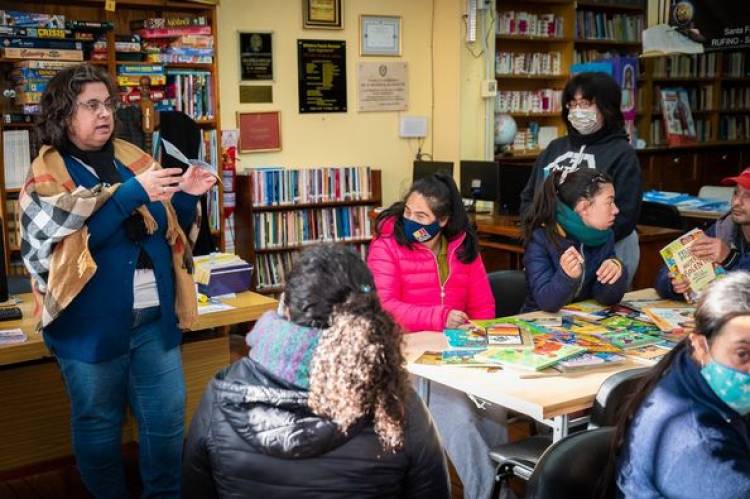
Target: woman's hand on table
(455, 319)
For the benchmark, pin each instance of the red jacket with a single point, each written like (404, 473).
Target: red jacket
(408, 283)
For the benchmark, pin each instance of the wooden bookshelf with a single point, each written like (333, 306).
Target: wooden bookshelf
(126, 11)
(245, 230)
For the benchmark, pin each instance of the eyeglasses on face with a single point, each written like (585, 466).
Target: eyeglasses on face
(579, 104)
(95, 105)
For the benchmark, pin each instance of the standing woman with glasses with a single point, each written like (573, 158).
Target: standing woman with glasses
(104, 239)
(596, 139)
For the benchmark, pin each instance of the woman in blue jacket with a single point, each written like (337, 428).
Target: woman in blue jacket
(104, 241)
(569, 244)
(686, 433)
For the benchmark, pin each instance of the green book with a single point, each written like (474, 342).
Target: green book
(529, 359)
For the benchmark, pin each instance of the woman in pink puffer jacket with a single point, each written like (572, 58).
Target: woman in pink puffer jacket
(416, 236)
(429, 275)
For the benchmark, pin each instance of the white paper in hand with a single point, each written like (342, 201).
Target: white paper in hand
(172, 150)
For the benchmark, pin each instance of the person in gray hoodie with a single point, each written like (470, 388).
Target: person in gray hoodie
(596, 139)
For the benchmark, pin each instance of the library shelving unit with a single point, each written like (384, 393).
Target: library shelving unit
(272, 251)
(94, 11)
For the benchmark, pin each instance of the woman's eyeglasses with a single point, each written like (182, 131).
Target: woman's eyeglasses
(579, 104)
(95, 105)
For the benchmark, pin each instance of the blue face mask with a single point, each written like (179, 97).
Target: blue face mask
(730, 385)
(420, 233)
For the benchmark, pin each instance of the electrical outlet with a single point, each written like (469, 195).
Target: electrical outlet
(489, 88)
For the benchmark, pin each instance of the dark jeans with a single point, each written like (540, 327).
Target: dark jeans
(148, 379)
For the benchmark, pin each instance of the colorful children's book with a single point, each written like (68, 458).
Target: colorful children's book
(466, 337)
(622, 323)
(508, 331)
(626, 340)
(439, 359)
(698, 272)
(548, 321)
(541, 357)
(583, 327)
(650, 354)
(587, 309)
(589, 342)
(669, 319)
(590, 360)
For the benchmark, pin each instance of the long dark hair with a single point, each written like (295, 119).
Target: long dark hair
(583, 183)
(724, 300)
(357, 368)
(59, 100)
(599, 88)
(445, 201)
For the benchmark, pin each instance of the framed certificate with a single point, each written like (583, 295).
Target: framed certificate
(322, 14)
(259, 131)
(380, 35)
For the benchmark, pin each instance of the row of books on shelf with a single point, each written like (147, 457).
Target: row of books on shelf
(603, 26)
(272, 268)
(686, 66)
(526, 63)
(698, 98)
(735, 98)
(521, 23)
(279, 186)
(12, 221)
(584, 335)
(592, 55)
(545, 100)
(17, 154)
(278, 229)
(533, 137)
(735, 65)
(734, 127)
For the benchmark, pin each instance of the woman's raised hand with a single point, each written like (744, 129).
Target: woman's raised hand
(161, 184)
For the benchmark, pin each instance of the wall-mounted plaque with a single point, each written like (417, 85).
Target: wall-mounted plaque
(321, 66)
(256, 56)
(259, 131)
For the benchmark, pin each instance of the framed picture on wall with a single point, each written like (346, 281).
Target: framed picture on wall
(380, 35)
(256, 56)
(259, 131)
(322, 14)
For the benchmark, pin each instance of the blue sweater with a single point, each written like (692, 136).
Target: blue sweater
(550, 288)
(685, 442)
(95, 326)
(729, 232)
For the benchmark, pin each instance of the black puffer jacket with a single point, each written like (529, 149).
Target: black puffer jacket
(254, 436)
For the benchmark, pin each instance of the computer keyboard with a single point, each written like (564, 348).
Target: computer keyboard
(10, 313)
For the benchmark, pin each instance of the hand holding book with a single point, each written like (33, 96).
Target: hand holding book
(710, 248)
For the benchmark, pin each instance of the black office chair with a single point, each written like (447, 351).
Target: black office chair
(520, 458)
(509, 289)
(661, 215)
(573, 467)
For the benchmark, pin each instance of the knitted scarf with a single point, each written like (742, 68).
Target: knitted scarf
(54, 234)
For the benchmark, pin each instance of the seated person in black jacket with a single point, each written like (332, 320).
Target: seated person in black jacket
(322, 406)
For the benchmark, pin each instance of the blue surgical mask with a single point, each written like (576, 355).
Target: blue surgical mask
(730, 385)
(420, 233)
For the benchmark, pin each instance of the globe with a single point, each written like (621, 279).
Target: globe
(505, 129)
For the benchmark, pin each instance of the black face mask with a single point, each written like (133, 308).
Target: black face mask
(103, 163)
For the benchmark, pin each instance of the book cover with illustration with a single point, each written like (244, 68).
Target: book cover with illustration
(625, 340)
(670, 319)
(431, 358)
(590, 360)
(679, 126)
(544, 355)
(506, 331)
(589, 342)
(466, 338)
(622, 323)
(582, 327)
(650, 354)
(587, 309)
(699, 273)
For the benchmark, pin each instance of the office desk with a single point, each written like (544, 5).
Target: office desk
(500, 241)
(548, 398)
(35, 421)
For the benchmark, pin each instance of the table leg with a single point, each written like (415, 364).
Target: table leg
(560, 427)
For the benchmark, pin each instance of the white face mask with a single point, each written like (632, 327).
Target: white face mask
(584, 120)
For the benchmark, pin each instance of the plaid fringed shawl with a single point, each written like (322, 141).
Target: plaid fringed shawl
(54, 234)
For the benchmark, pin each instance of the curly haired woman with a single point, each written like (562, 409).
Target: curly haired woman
(321, 407)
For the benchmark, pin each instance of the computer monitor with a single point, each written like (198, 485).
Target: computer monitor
(479, 180)
(426, 168)
(512, 178)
